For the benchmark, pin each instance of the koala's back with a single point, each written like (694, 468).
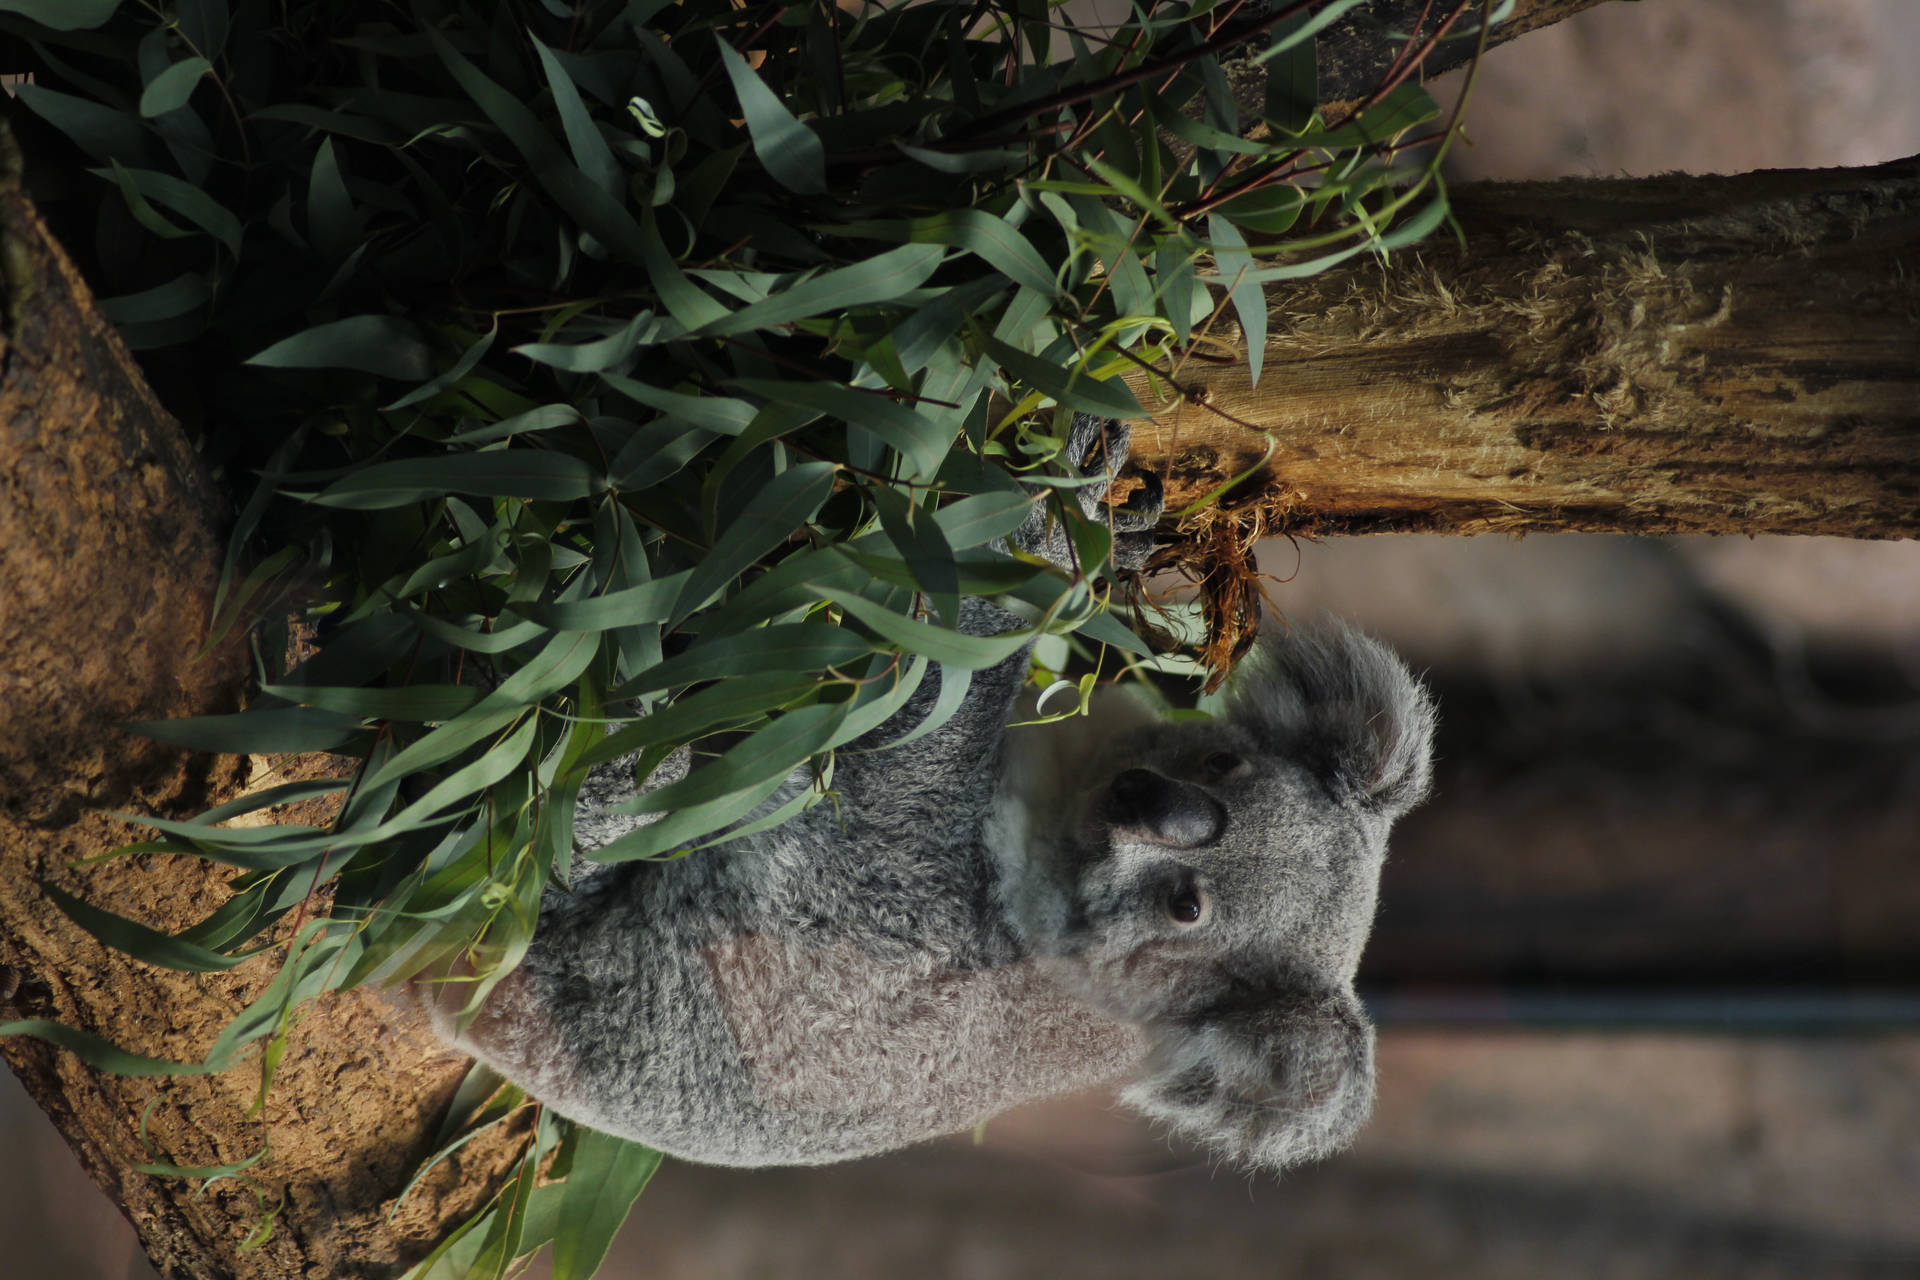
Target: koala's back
(796, 997)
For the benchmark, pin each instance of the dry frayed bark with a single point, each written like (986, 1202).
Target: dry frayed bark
(1658, 355)
(1675, 354)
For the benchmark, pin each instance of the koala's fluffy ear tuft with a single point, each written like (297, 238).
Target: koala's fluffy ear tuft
(1344, 705)
(1269, 1081)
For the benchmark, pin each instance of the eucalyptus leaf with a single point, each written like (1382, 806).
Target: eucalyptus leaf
(606, 1177)
(779, 508)
(138, 940)
(383, 345)
(1068, 387)
(171, 88)
(788, 149)
(103, 1056)
(1235, 265)
(519, 473)
(63, 15)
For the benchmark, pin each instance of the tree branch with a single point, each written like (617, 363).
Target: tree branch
(1733, 355)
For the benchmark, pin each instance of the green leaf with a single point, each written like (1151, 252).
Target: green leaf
(600, 214)
(471, 357)
(383, 345)
(63, 15)
(185, 292)
(685, 301)
(648, 602)
(442, 744)
(505, 473)
(730, 787)
(782, 505)
(1293, 76)
(185, 199)
(1070, 387)
(880, 279)
(541, 418)
(138, 940)
(724, 704)
(211, 1172)
(332, 221)
(103, 132)
(590, 357)
(790, 151)
(1270, 211)
(992, 238)
(501, 760)
(944, 645)
(172, 87)
(983, 517)
(257, 731)
(724, 414)
(583, 139)
(607, 1176)
(1414, 229)
(1235, 266)
(921, 441)
(922, 544)
(430, 703)
(1405, 106)
(101, 1055)
(798, 646)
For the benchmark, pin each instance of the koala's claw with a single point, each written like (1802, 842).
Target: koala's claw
(1144, 506)
(1132, 521)
(1097, 446)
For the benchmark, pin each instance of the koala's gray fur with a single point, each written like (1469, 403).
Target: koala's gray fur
(988, 917)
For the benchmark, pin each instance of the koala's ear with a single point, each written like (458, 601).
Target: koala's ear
(1346, 706)
(1268, 1083)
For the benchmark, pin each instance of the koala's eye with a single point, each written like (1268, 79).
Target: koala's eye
(1221, 763)
(1186, 906)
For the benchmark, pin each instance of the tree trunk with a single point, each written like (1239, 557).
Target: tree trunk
(108, 556)
(1652, 355)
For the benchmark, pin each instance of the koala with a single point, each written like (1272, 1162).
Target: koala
(991, 915)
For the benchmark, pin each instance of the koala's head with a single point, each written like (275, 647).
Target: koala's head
(1214, 883)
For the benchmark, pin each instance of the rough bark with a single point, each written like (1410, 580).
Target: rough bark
(1731, 355)
(108, 554)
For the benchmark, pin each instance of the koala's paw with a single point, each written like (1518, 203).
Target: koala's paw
(1099, 447)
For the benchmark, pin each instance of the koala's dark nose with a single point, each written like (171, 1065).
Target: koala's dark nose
(1164, 810)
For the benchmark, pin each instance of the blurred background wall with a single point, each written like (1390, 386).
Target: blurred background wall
(1636, 960)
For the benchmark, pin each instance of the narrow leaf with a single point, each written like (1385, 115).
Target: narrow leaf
(790, 151)
(172, 87)
(781, 506)
(377, 344)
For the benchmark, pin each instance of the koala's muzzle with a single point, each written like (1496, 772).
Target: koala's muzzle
(1150, 806)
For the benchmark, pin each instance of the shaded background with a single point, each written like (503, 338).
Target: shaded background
(1634, 961)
